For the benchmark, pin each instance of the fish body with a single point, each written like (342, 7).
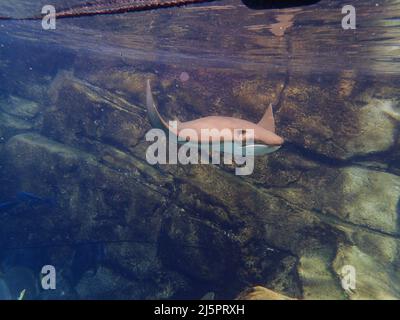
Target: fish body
(231, 131)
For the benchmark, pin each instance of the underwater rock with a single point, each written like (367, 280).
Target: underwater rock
(106, 283)
(19, 279)
(64, 289)
(142, 234)
(348, 192)
(208, 296)
(17, 115)
(106, 193)
(379, 121)
(322, 118)
(253, 218)
(12, 125)
(317, 278)
(376, 278)
(352, 194)
(19, 107)
(370, 199)
(360, 202)
(261, 293)
(131, 85)
(297, 223)
(328, 199)
(171, 231)
(5, 293)
(197, 248)
(140, 260)
(82, 114)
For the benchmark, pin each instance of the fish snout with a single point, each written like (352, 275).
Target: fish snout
(275, 140)
(268, 138)
(279, 141)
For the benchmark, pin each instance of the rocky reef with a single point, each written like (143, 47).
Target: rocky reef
(123, 229)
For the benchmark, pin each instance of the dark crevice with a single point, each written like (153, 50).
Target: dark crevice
(357, 160)
(335, 219)
(332, 219)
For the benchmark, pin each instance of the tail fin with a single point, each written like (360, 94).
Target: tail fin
(154, 116)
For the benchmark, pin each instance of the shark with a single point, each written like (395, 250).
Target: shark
(264, 138)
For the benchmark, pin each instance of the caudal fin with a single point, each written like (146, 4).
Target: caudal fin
(154, 116)
(268, 120)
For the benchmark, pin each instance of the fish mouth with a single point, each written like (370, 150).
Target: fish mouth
(267, 149)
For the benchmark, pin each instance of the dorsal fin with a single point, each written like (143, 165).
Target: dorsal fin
(268, 121)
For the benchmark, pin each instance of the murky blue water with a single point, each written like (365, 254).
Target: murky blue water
(72, 135)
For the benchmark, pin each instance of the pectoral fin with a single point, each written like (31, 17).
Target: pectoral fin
(268, 121)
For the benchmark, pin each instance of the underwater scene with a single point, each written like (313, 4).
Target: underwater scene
(110, 190)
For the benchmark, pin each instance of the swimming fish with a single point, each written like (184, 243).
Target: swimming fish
(265, 139)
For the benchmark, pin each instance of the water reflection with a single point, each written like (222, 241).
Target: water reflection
(228, 34)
